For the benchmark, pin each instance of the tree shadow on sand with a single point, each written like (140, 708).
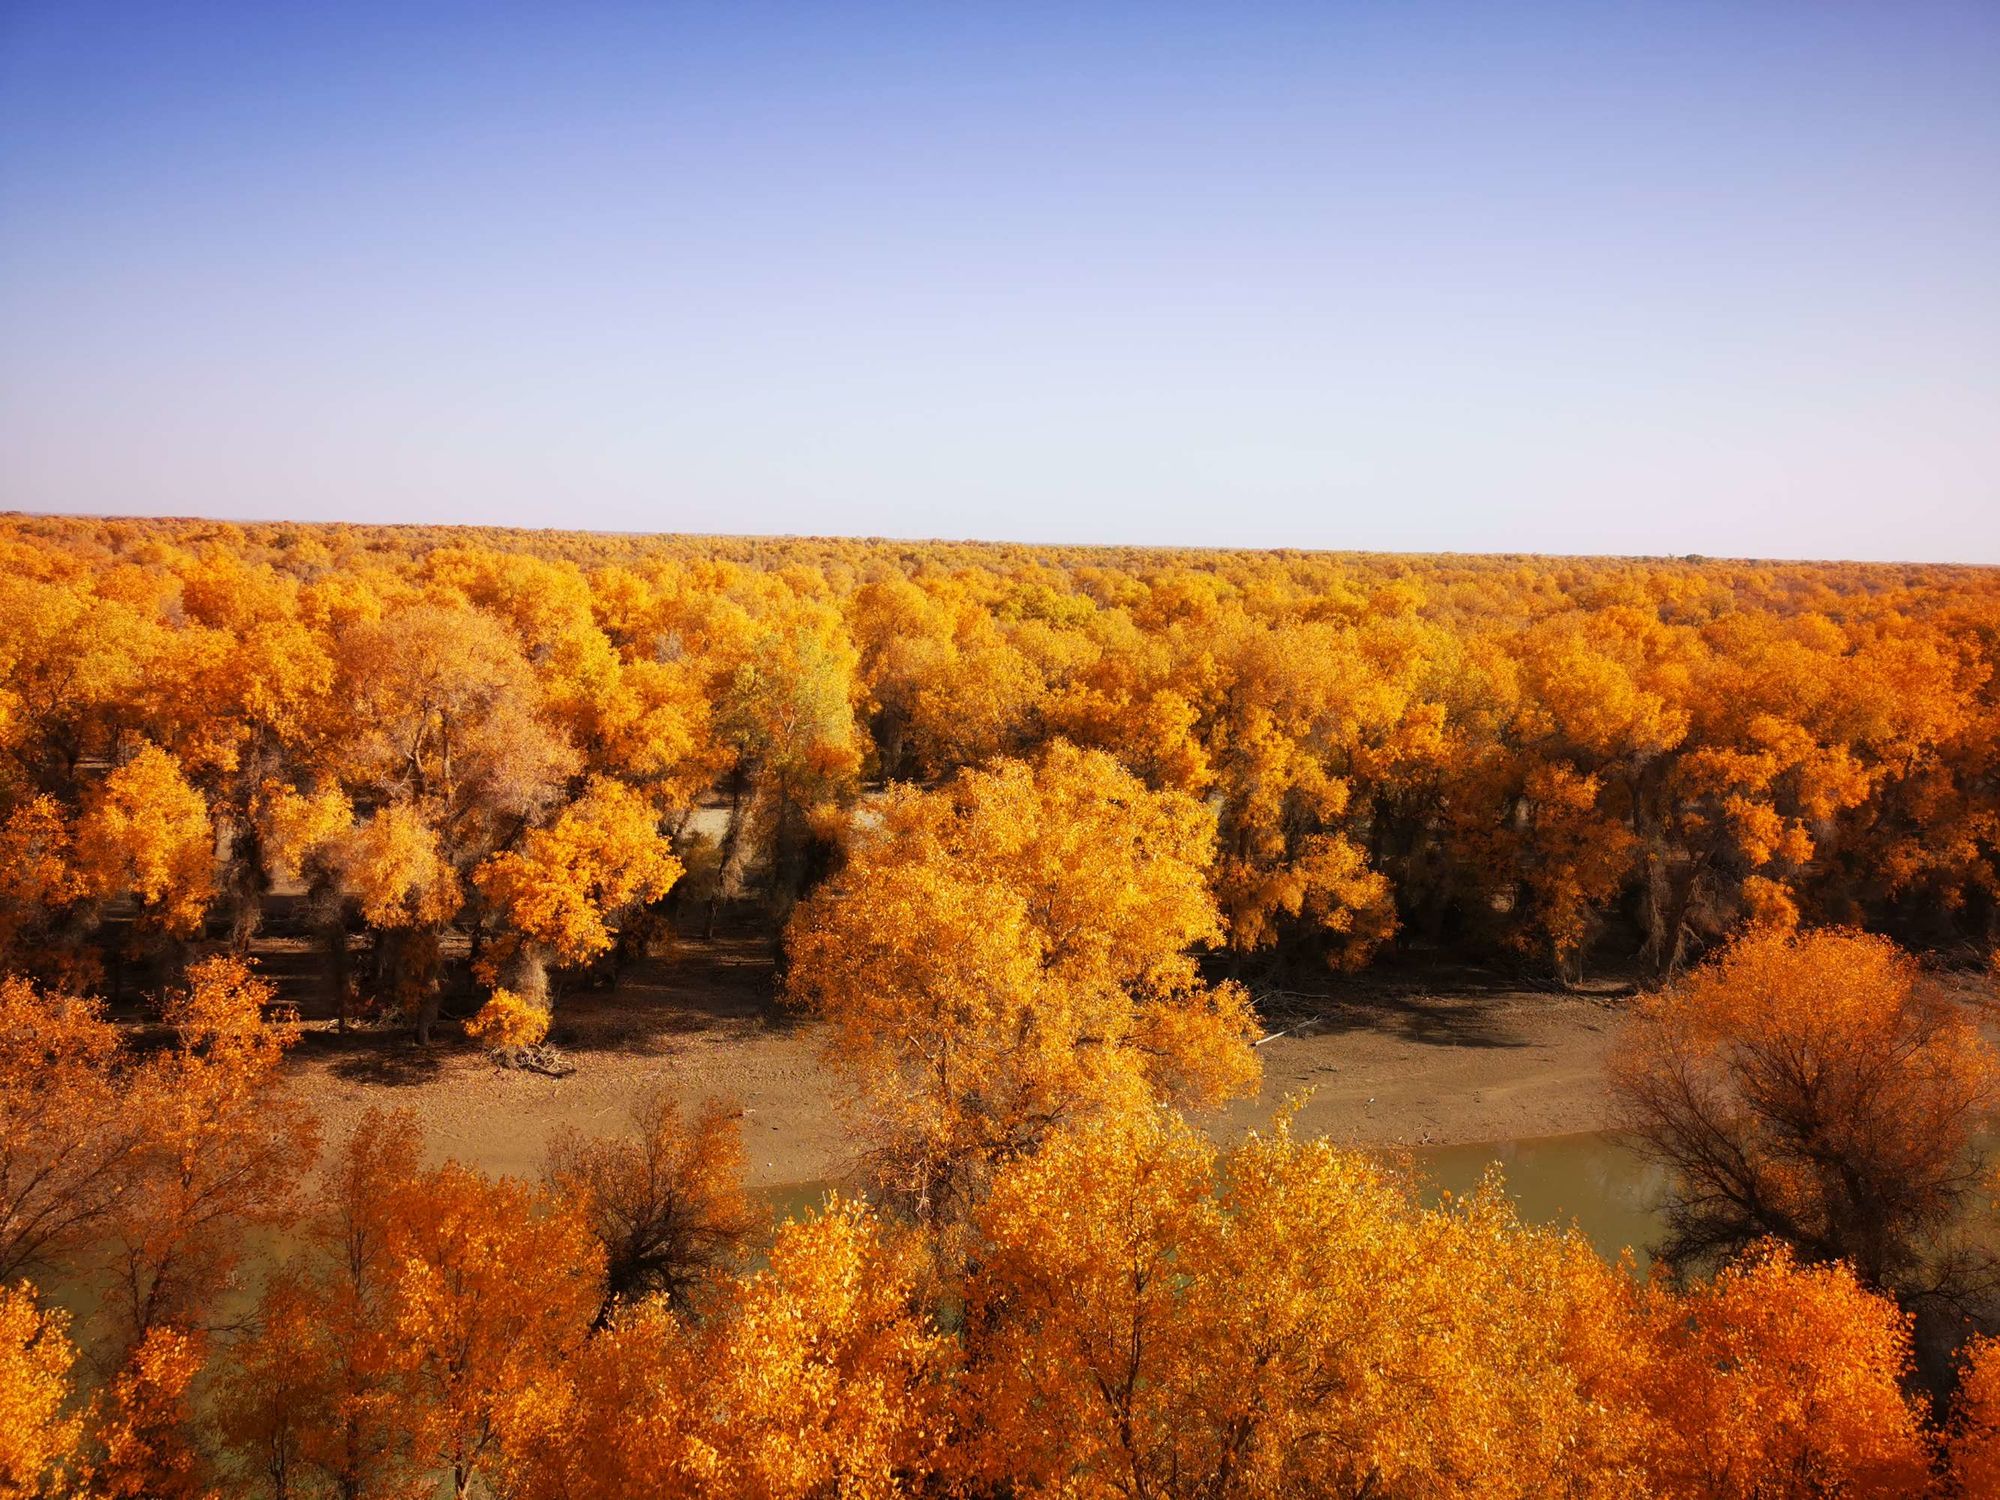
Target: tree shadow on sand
(388, 1057)
(724, 985)
(1433, 1004)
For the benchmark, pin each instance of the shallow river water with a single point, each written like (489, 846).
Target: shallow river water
(1601, 1186)
(1589, 1180)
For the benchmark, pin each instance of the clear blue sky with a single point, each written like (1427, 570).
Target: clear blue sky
(1605, 277)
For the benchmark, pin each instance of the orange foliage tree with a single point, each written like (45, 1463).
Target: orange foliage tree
(429, 1302)
(1814, 1089)
(1011, 952)
(219, 1148)
(68, 1141)
(1975, 1426)
(666, 1202)
(1775, 1379)
(559, 893)
(1150, 1317)
(817, 1376)
(145, 834)
(40, 1428)
(141, 1173)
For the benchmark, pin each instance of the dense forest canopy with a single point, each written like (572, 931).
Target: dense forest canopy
(1553, 761)
(1022, 822)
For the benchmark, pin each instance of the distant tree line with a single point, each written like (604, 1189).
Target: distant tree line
(487, 758)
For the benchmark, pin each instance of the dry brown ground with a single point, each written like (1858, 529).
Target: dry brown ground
(1438, 1058)
(1444, 1058)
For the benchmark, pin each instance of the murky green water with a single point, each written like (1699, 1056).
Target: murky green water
(1589, 1180)
(791, 1199)
(1593, 1181)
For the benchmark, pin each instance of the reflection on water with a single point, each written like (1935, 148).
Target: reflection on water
(1592, 1180)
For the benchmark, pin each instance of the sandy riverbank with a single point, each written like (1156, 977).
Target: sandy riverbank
(1446, 1061)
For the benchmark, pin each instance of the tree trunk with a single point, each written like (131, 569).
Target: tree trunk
(732, 838)
(339, 969)
(246, 882)
(527, 974)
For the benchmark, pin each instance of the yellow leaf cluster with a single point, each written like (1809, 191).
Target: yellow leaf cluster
(39, 1429)
(145, 833)
(507, 1022)
(1010, 952)
(569, 880)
